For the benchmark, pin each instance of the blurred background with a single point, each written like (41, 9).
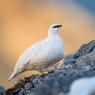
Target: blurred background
(24, 22)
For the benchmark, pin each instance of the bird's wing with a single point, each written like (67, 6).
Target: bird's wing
(32, 52)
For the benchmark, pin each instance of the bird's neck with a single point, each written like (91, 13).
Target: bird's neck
(53, 34)
(54, 37)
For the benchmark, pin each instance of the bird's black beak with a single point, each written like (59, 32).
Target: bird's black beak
(57, 26)
(60, 25)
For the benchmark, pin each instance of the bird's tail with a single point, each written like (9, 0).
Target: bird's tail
(14, 74)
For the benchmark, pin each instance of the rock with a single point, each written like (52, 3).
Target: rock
(79, 65)
(2, 90)
(93, 93)
(63, 83)
(85, 49)
(69, 58)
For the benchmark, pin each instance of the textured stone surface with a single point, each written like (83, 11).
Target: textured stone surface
(2, 90)
(85, 49)
(82, 64)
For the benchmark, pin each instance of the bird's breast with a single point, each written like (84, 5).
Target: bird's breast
(56, 53)
(49, 54)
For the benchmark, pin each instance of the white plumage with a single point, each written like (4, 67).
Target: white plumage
(41, 55)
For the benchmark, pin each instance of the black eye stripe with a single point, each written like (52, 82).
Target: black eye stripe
(57, 26)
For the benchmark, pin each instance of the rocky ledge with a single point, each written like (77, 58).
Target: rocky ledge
(80, 65)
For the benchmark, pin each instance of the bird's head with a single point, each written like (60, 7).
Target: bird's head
(54, 28)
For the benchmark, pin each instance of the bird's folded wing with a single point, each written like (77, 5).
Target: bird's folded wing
(32, 52)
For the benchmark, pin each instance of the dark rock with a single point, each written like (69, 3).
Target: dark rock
(85, 49)
(93, 93)
(2, 90)
(69, 58)
(59, 84)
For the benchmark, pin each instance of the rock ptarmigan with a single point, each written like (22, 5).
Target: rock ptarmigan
(42, 54)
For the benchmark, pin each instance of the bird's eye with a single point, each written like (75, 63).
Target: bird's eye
(57, 26)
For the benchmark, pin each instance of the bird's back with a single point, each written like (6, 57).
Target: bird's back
(30, 52)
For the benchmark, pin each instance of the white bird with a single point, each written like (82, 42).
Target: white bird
(43, 54)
